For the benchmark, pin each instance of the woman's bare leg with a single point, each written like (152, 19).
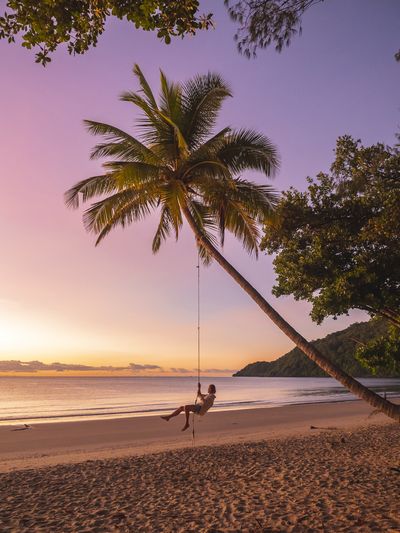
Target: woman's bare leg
(175, 413)
(188, 410)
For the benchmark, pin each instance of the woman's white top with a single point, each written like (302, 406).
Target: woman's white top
(206, 403)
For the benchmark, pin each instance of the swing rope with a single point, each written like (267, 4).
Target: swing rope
(198, 317)
(198, 341)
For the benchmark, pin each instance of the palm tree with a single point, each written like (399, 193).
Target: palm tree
(181, 169)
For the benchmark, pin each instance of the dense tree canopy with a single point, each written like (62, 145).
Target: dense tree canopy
(382, 354)
(337, 243)
(45, 25)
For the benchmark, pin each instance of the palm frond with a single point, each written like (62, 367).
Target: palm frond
(202, 100)
(232, 215)
(154, 128)
(260, 200)
(204, 218)
(121, 208)
(163, 229)
(211, 147)
(170, 99)
(204, 254)
(150, 111)
(145, 87)
(204, 170)
(249, 150)
(157, 128)
(174, 196)
(243, 226)
(203, 162)
(160, 127)
(119, 144)
(205, 221)
(88, 188)
(127, 174)
(183, 149)
(239, 206)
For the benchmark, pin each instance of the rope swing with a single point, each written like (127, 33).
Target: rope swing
(198, 317)
(198, 341)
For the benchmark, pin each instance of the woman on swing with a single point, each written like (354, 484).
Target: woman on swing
(201, 407)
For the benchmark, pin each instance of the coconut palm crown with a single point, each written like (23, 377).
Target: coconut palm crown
(180, 167)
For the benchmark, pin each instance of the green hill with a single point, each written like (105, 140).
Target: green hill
(338, 346)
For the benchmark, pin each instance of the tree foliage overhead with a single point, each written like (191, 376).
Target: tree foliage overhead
(267, 22)
(337, 243)
(264, 23)
(45, 24)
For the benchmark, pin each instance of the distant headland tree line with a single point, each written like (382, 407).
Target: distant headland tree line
(340, 347)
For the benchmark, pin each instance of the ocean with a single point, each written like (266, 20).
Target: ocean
(54, 399)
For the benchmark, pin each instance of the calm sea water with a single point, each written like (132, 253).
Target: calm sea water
(43, 399)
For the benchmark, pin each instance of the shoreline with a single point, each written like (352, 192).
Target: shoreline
(47, 444)
(57, 419)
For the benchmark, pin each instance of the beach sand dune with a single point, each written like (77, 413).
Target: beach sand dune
(328, 481)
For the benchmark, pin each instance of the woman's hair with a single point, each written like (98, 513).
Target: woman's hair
(212, 389)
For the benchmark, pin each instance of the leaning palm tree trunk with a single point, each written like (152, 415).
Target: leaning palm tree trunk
(186, 170)
(376, 401)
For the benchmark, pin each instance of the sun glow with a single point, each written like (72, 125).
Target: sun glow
(31, 333)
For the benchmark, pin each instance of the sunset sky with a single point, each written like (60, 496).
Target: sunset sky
(62, 299)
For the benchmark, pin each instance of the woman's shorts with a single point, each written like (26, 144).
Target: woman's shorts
(197, 408)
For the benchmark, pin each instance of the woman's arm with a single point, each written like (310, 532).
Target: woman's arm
(199, 394)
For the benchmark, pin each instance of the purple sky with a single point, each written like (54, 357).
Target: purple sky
(62, 299)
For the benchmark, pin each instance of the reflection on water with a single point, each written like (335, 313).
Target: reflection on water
(42, 399)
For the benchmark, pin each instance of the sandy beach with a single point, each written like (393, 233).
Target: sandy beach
(64, 442)
(258, 470)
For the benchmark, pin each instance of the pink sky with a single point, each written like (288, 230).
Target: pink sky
(61, 298)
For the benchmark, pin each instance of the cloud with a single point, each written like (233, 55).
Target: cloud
(193, 371)
(37, 366)
(219, 370)
(182, 370)
(140, 368)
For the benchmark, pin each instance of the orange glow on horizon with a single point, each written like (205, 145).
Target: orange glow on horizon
(30, 334)
(108, 374)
